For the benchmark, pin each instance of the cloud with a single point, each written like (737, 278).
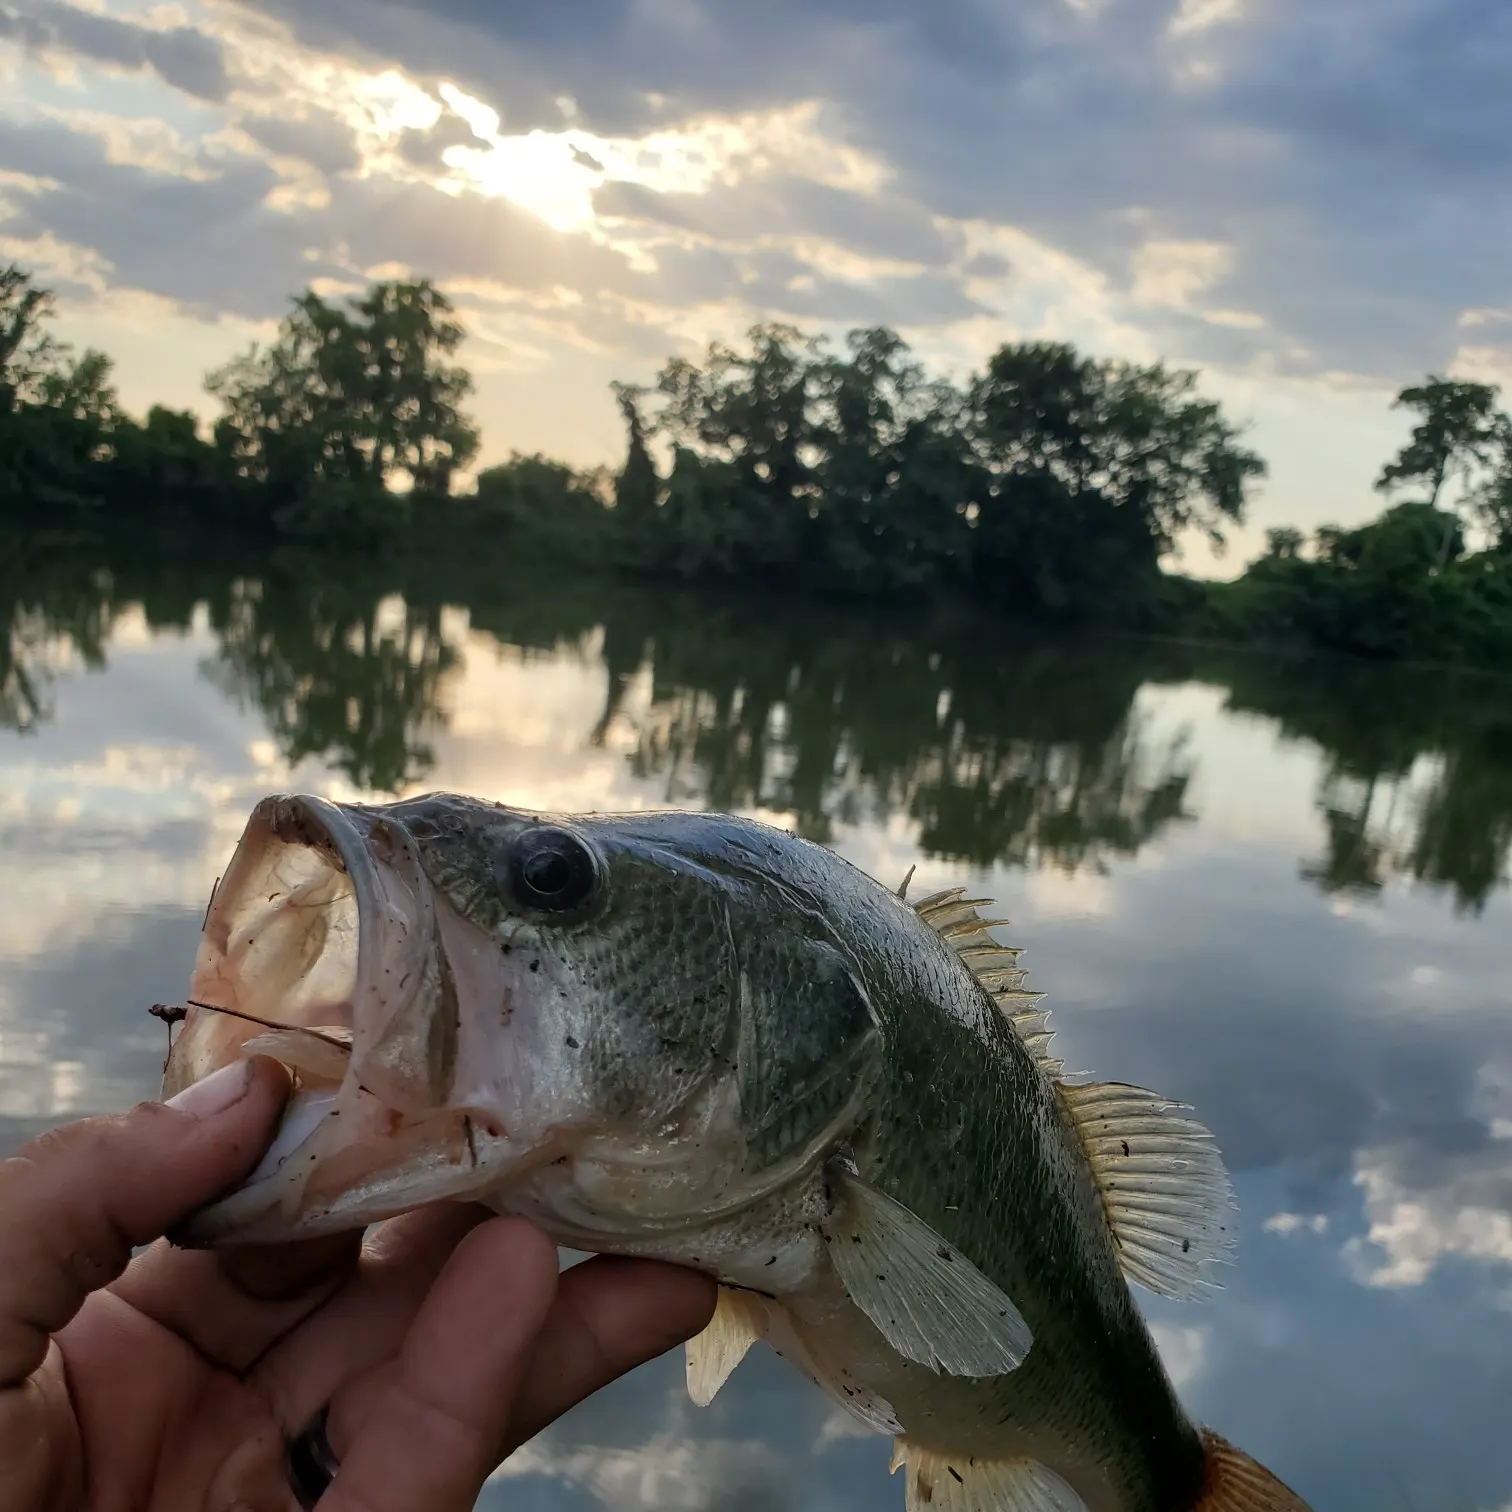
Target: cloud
(182, 56)
(1305, 200)
(319, 138)
(1348, 154)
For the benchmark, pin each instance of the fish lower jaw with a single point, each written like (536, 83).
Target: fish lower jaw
(342, 1161)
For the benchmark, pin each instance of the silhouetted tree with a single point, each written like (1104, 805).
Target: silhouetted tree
(637, 488)
(1456, 434)
(1284, 542)
(356, 398)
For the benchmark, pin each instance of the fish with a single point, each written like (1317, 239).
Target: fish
(705, 1040)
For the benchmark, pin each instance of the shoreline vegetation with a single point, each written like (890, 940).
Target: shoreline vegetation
(1049, 488)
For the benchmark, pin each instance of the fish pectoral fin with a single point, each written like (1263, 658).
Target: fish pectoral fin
(736, 1325)
(926, 1298)
(1164, 1188)
(958, 1483)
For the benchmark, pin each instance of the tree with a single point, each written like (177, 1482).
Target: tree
(752, 410)
(57, 411)
(1491, 502)
(1456, 435)
(637, 488)
(891, 468)
(27, 350)
(1137, 436)
(1285, 543)
(354, 396)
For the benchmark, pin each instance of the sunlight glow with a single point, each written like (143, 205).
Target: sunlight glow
(554, 174)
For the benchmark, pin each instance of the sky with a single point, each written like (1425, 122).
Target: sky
(1307, 199)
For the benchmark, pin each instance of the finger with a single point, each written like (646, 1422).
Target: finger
(234, 1305)
(432, 1437)
(77, 1201)
(365, 1322)
(610, 1315)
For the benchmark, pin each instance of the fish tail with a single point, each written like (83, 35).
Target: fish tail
(1233, 1482)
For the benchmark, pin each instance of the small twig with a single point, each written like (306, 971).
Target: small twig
(252, 1018)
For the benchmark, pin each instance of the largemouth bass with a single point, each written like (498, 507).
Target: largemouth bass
(700, 1039)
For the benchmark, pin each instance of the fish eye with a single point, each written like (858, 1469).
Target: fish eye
(552, 871)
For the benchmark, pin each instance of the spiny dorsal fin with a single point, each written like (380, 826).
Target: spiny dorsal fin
(711, 1355)
(1164, 1187)
(958, 921)
(937, 1482)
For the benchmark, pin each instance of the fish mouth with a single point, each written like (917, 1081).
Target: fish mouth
(322, 948)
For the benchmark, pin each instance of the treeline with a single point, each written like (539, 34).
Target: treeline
(345, 424)
(1049, 487)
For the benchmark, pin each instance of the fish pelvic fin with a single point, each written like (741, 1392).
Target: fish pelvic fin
(1233, 1482)
(958, 921)
(1166, 1194)
(738, 1323)
(938, 1482)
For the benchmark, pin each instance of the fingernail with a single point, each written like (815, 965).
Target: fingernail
(216, 1092)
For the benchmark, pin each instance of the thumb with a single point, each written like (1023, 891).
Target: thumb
(77, 1201)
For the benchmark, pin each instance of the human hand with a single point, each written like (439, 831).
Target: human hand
(172, 1382)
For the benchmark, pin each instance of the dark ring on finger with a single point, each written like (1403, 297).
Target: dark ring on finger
(311, 1463)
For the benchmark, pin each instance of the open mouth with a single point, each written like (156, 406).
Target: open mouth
(321, 948)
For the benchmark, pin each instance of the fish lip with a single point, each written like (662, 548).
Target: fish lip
(354, 840)
(258, 1211)
(354, 851)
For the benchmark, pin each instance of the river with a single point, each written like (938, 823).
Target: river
(1272, 889)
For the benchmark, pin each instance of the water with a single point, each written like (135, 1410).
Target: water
(1274, 890)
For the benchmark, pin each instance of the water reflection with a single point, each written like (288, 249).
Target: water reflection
(1417, 779)
(1271, 889)
(338, 673)
(1014, 751)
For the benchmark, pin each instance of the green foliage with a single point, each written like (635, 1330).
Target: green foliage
(1458, 434)
(1285, 542)
(1400, 588)
(1137, 436)
(56, 410)
(347, 402)
(1491, 501)
(637, 489)
(1052, 484)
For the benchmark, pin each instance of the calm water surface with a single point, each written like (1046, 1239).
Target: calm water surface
(1273, 890)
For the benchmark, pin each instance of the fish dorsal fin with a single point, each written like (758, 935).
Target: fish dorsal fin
(1164, 1188)
(958, 1483)
(958, 921)
(926, 1298)
(711, 1356)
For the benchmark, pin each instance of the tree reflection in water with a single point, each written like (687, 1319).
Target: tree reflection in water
(1000, 746)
